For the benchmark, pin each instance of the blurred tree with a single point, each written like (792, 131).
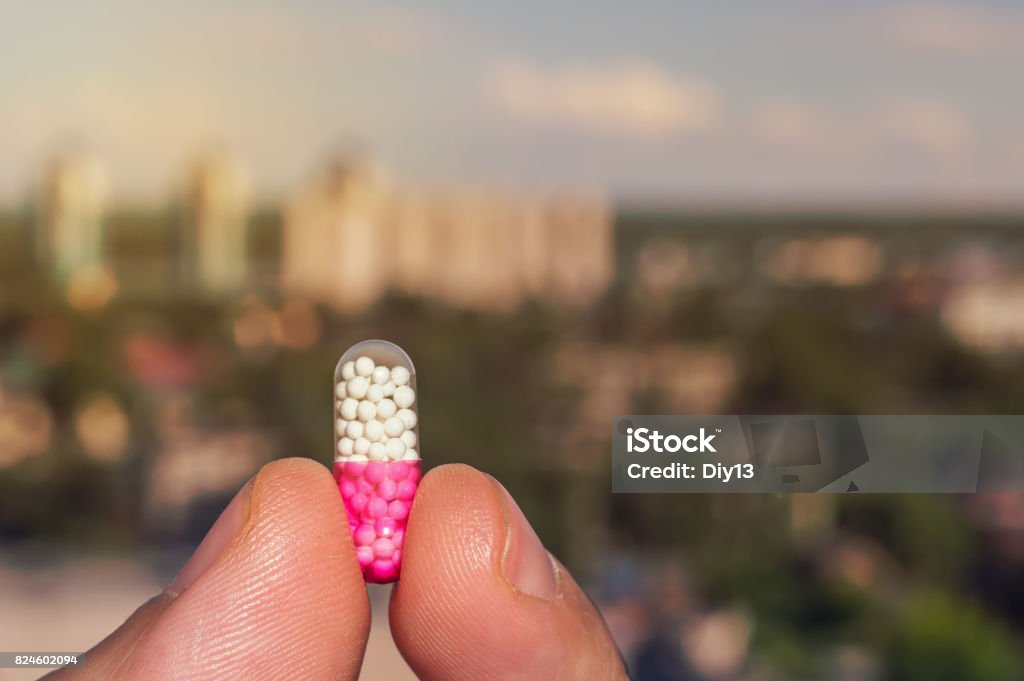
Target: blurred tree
(941, 637)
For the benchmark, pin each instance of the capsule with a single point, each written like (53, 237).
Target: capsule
(377, 451)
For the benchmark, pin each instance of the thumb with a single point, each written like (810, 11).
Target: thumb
(481, 599)
(273, 591)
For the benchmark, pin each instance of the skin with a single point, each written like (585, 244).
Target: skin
(275, 591)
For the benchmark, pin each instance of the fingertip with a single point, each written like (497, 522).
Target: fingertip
(456, 615)
(453, 524)
(293, 473)
(449, 478)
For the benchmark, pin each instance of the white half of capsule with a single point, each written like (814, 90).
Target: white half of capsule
(375, 404)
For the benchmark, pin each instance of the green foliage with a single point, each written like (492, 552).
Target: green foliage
(928, 534)
(941, 637)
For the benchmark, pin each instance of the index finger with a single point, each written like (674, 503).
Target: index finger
(273, 592)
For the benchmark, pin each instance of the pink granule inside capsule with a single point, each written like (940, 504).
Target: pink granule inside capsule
(378, 496)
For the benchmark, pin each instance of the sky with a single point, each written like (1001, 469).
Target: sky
(667, 102)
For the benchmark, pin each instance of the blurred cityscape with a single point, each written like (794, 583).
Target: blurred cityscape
(152, 360)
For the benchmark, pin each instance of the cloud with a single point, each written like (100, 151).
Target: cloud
(629, 97)
(800, 126)
(950, 30)
(933, 128)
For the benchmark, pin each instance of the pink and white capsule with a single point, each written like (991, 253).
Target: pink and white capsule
(376, 457)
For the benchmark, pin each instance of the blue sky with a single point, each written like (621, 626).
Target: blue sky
(664, 101)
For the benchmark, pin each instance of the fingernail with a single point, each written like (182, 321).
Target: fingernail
(525, 562)
(224, 531)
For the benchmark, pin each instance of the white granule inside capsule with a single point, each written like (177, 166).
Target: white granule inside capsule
(404, 396)
(400, 375)
(375, 393)
(381, 375)
(386, 409)
(374, 431)
(349, 409)
(364, 366)
(394, 426)
(408, 417)
(354, 429)
(357, 387)
(366, 411)
(395, 448)
(374, 416)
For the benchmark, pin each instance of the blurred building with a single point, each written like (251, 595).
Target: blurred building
(662, 254)
(196, 459)
(26, 427)
(73, 204)
(334, 245)
(216, 222)
(657, 378)
(844, 260)
(987, 316)
(350, 236)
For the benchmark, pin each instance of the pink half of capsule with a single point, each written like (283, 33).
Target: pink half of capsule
(376, 462)
(378, 496)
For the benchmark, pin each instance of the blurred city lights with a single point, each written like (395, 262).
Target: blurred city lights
(103, 428)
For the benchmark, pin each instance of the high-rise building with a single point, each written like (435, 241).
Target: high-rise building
(350, 236)
(216, 224)
(333, 245)
(579, 248)
(72, 210)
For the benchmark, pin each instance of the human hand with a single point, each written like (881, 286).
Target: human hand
(275, 592)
